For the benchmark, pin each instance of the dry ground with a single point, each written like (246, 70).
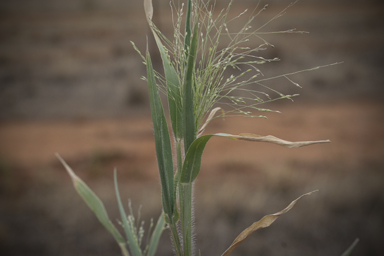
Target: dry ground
(239, 183)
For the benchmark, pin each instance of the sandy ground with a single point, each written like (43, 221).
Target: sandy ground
(238, 184)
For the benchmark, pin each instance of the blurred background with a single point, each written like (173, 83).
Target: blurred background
(70, 82)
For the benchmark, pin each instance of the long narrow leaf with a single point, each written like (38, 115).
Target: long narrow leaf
(172, 79)
(192, 162)
(350, 248)
(188, 91)
(95, 204)
(266, 221)
(132, 240)
(174, 93)
(162, 143)
(160, 226)
(187, 40)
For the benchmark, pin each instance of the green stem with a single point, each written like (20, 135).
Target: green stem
(185, 193)
(176, 240)
(124, 250)
(185, 199)
(179, 159)
(175, 233)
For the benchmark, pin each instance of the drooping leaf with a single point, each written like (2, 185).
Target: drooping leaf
(154, 242)
(266, 221)
(95, 204)
(192, 162)
(271, 139)
(131, 237)
(162, 143)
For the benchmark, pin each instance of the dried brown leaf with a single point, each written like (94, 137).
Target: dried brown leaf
(210, 117)
(266, 221)
(272, 139)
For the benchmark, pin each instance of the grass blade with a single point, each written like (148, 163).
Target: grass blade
(131, 237)
(162, 143)
(172, 79)
(350, 249)
(95, 204)
(160, 226)
(174, 93)
(188, 95)
(266, 221)
(187, 40)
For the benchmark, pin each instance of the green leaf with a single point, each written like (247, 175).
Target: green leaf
(95, 204)
(187, 40)
(162, 143)
(154, 242)
(188, 91)
(132, 239)
(173, 91)
(172, 79)
(192, 162)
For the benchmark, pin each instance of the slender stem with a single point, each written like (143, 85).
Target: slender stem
(185, 199)
(179, 159)
(124, 250)
(185, 193)
(176, 240)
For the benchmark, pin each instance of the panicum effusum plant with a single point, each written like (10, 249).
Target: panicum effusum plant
(196, 79)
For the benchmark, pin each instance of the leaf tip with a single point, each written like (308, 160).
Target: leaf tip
(68, 169)
(148, 8)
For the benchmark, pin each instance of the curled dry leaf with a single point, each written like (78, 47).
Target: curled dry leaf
(210, 117)
(271, 139)
(266, 221)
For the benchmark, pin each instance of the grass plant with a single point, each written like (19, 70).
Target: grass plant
(196, 81)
